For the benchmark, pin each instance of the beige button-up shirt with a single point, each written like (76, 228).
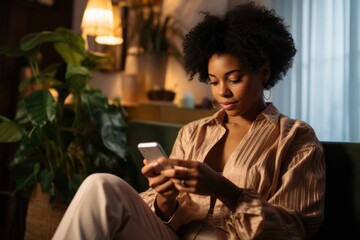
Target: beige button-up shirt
(279, 164)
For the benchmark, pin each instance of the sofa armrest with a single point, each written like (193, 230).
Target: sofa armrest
(342, 198)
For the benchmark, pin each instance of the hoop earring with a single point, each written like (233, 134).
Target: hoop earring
(267, 98)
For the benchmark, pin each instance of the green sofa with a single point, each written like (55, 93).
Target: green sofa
(342, 202)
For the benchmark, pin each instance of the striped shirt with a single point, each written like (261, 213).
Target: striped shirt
(280, 166)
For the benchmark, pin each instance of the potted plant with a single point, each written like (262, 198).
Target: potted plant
(152, 31)
(64, 129)
(154, 34)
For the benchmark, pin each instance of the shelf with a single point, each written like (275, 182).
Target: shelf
(169, 113)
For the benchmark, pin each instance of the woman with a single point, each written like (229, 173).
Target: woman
(247, 172)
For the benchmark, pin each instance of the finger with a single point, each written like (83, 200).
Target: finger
(150, 168)
(168, 188)
(178, 173)
(182, 163)
(184, 185)
(160, 160)
(154, 181)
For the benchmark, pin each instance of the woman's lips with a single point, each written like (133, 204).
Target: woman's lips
(228, 105)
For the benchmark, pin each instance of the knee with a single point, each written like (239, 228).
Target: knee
(106, 182)
(106, 186)
(103, 179)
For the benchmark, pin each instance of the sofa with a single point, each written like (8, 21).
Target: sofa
(342, 200)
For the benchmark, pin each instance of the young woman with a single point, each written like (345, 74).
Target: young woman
(247, 172)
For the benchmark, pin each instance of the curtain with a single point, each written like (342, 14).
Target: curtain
(322, 87)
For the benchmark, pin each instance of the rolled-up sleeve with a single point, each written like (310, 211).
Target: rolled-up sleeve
(295, 211)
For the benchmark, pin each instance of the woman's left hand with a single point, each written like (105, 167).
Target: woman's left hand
(193, 177)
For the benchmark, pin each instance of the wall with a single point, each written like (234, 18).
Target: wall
(176, 78)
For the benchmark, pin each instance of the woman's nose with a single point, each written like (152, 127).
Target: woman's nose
(223, 89)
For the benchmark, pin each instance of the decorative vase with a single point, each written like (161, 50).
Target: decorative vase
(42, 217)
(152, 71)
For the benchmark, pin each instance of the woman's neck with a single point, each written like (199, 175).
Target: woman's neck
(245, 119)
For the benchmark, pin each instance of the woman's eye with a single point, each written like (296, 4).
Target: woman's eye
(234, 80)
(213, 83)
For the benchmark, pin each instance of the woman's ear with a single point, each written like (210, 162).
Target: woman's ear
(266, 72)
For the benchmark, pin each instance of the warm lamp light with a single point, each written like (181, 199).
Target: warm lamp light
(98, 21)
(109, 40)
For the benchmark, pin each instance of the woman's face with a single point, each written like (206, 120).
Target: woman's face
(237, 89)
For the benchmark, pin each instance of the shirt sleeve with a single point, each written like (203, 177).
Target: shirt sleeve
(294, 211)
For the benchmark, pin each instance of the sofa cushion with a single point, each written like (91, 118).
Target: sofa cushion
(342, 199)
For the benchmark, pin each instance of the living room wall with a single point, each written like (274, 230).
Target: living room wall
(187, 13)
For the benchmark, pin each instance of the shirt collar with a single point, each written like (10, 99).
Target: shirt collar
(270, 112)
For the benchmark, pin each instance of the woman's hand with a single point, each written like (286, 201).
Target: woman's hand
(193, 177)
(200, 178)
(165, 203)
(160, 183)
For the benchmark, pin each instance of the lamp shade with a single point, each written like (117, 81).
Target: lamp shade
(98, 21)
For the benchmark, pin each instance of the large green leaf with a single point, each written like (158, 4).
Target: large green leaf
(69, 56)
(41, 107)
(22, 118)
(46, 178)
(9, 131)
(34, 40)
(107, 120)
(112, 131)
(93, 98)
(27, 147)
(73, 39)
(77, 78)
(71, 46)
(97, 61)
(88, 99)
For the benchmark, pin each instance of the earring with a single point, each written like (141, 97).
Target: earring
(269, 97)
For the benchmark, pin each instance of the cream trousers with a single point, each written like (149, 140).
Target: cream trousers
(106, 207)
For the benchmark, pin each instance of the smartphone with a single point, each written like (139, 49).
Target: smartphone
(152, 151)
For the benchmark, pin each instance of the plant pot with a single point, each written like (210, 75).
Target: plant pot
(42, 217)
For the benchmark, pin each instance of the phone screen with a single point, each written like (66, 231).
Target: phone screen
(152, 151)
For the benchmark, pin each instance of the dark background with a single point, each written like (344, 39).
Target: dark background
(17, 18)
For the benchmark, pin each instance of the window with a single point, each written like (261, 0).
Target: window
(322, 88)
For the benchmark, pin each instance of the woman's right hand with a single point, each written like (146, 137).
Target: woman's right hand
(162, 185)
(167, 192)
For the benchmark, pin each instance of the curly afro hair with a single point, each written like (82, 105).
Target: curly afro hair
(249, 32)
